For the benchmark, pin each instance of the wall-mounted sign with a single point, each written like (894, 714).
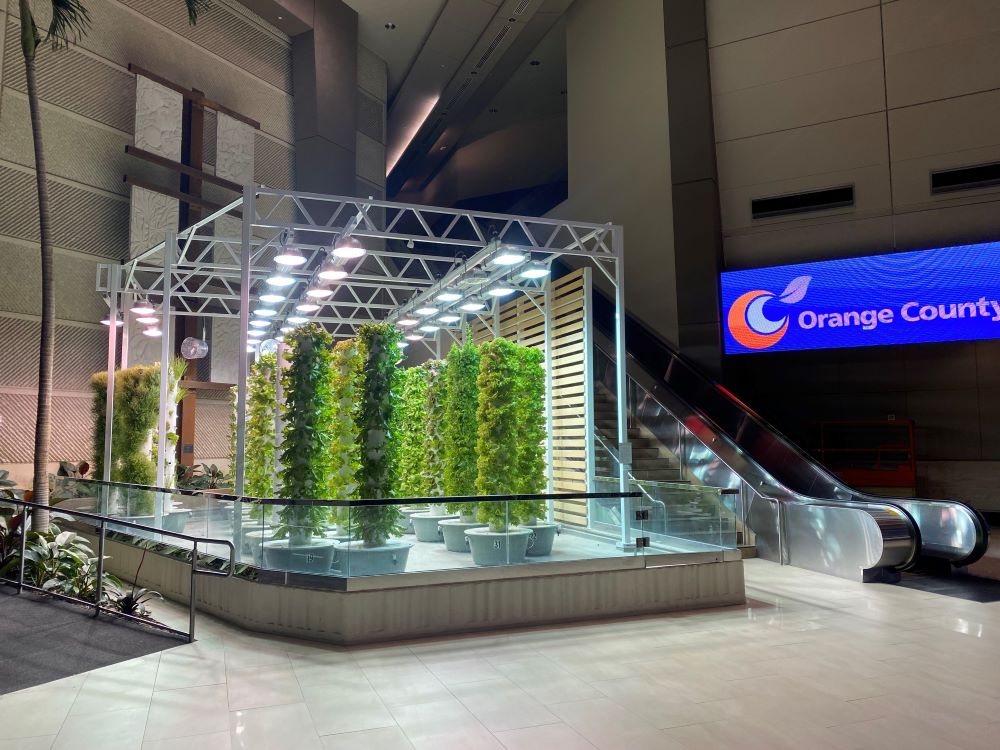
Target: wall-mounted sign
(944, 294)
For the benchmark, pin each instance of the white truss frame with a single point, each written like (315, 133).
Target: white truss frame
(217, 268)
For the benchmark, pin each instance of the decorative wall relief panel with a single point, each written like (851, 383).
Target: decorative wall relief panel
(224, 350)
(152, 215)
(158, 118)
(234, 149)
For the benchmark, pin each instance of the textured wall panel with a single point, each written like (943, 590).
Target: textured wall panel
(373, 74)
(79, 352)
(81, 220)
(73, 80)
(152, 214)
(224, 351)
(72, 428)
(211, 429)
(370, 159)
(234, 146)
(66, 139)
(208, 135)
(159, 112)
(75, 295)
(142, 350)
(229, 36)
(371, 117)
(274, 164)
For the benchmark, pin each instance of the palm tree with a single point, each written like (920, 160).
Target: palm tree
(69, 21)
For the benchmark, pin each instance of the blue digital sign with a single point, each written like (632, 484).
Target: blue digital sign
(944, 294)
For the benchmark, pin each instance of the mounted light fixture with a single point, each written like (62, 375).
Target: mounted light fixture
(414, 337)
(473, 304)
(143, 308)
(534, 271)
(287, 329)
(153, 333)
(260, 323)
(426, 310)
(148, 320)
(265, 312)
(256, 332)
(279, 279)
(251, 349)
(318, 291)
(349, 247)
(290, 256)
(307, 307)
(402, 344)
(331, 271)
(407, 322)
(118, 321)
(272, 299)
(297, 320)
(430, 329)
(449, 318)
(449, 295)
(508, 255)
(501, 290)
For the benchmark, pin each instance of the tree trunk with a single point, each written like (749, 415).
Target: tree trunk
(43, 423)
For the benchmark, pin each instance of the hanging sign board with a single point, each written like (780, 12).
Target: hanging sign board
(944, 294)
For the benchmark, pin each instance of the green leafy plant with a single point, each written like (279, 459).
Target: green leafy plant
(435, 375)
(347, 363)
(497, 444)
(461, 428)
(307, 463)
(63, 562)
(11, 528)
(133, 602)
(379, 447)
(202, 477)
(530, 404)
(412, 479)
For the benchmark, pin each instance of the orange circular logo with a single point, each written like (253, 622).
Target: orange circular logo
(749, 326)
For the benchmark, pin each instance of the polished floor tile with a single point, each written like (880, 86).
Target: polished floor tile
(810, 661)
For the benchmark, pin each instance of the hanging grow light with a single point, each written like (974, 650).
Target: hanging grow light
(474, 304)
(290, 256)
(330, 271)
(279, 279)
(317, 291)
(272, 299)
(349, 247)
(508, 255)
(143, 308)
(260, 323)
(407, 322)
(307, 307)
(534, 271)
(448, 295)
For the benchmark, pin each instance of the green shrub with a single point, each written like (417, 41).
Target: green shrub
(461, 429)
(379, 447)
(309, 416)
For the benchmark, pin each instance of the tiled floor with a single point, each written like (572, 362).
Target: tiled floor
(812, 662)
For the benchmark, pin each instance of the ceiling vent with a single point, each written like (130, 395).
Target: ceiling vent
(499, 37)
(521, 7)
(797, 203)
(965, 178)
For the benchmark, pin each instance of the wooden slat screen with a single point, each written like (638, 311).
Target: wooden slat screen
(522, 322)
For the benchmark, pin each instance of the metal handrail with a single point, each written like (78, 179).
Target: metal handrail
(103, 521)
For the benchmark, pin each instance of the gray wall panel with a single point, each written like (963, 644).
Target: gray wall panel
(80, 352)
(75, 296)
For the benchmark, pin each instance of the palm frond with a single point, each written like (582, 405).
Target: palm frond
(194, 7)
(70, 21)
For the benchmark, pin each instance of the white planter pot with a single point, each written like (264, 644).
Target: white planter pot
(498, 547)
(354, 559)
(425, 526)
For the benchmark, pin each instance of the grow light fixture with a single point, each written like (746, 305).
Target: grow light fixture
(448, 295)
(279, 279)
(402, 344)
(501, 290)
(118, 322)
(330, 271)
(348, 247)
(265, 312)
(317, 291)
(407, 322)
(426, 310)
(473, 304)
(148, 320)
(297, 320)
(508, 255)
(287, 329)
(534, 271)
(255, 332)
(429, 329)
(143, 308)
(152, 332)
(260, 323)
(449, 318)
(307, 307)
(290, 256)
(251, 348)
(272, 299)
(414, 337)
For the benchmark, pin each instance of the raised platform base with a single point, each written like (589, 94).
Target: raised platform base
(396, 607)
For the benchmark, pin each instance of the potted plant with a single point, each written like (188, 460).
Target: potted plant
(529, 398)
(461, 434)
(345, 449)
(412, 480)
(496, 449)
(375, 551)
(426, 524)
(306, 461)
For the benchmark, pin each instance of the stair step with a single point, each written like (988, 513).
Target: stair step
(663, 475)
(652, 464)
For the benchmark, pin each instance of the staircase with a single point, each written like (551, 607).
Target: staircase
(650, 460)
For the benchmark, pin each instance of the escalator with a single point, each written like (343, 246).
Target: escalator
(799, 513)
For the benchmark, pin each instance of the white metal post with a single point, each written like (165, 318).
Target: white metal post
(624, 446)
(166, 327)
(239, 475)
(114, 284)
(126, 306)
(549, 441)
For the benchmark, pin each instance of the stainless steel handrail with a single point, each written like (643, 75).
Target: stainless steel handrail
(103, 521)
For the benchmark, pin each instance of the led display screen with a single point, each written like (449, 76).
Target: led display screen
(944, 294)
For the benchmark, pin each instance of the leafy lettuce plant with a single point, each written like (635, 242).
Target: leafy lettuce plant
(461, 428)
(435, 375)
(347, 361)
(412, 478)
(530, 404)
(379, 447)
(262, 406)
(497, 443)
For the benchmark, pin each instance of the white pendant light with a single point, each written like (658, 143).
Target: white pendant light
(448, 295)
(414, 337)
(286, 329)
(142, 307)
(350, 247)
(251, 348)
(501, 290)
(317, 291)
(118, 322)
(449, 318)
(426, 310)
(256, 332)
(297, 320)
(330, 271)
(407, 322)
(289, 256)
(429, 329)
(402, 344)
(272, 299)
(256, 323)
(473, 304)
(534, 271)
(147, 320)
(152, 332)
(307, 307)
(508, 255)
(279, 279)
(265, 312)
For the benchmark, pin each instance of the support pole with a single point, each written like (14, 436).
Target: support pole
(114, 282)
(624, 446)
(239, 475)
(279, 426)
(549, 364)
(166, 326)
